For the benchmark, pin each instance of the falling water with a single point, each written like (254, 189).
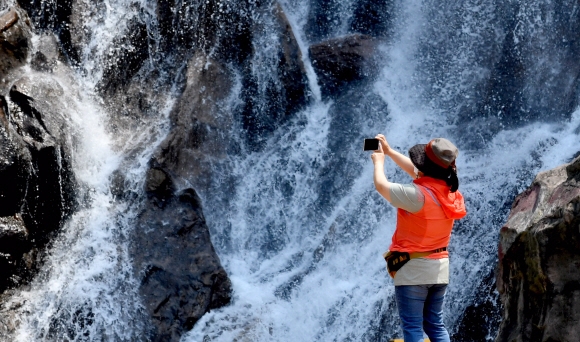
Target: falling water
(301, 230)
(304, 229)
(86, 289)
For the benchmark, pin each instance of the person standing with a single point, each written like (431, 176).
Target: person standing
(426, 211)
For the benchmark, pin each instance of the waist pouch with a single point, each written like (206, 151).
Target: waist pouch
(395, 260)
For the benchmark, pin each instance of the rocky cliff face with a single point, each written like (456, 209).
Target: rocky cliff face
(180, 273)
(539, 257)
(37, 185)
(237, 67)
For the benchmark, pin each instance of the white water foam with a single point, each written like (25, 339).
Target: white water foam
(86, 289)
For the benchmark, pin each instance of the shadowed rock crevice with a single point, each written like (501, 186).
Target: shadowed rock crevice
(481, 319)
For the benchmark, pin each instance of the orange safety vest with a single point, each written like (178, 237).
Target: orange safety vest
(429, 228)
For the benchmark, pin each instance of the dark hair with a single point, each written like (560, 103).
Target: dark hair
(449, 175)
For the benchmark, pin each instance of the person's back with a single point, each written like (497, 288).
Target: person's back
(430, 227)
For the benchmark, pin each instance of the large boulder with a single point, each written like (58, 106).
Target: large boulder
(341, 61)
(180, 272)
(182, 277)
(200, 123)
(539, 258)
(37, 184)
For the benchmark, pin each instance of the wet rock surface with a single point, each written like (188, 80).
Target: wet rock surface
(37, 185)
(539, 256)
(200, 125)
(339, 62)
(54, 17)
(269, 103)
(181, 275)
(373, 18)
(481, 319)
(369, 17)
(15, 34)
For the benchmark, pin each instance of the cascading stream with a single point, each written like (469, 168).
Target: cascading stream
(304, 230)
(86, 289)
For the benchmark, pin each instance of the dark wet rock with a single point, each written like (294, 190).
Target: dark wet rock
(181, 275)
(373, 18)
(37, 184)
(54, 17)
(339, 62)
(158, 184)
(323, 20)
(293, 78)
(268, 103)
(222, 28)
(539, 256)
(128, 54)
(199, 121)
(79, 16)
(482, 317)
(15, 34)
(14, 159)
(15, 242)
(547, 61)
(327, 19)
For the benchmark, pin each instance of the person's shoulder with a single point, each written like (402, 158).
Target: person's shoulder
(407, 197)
(409, 188)
(406, 186)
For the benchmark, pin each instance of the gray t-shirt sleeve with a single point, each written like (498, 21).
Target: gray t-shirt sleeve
(407, 197)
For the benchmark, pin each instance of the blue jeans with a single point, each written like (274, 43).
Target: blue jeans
(421, 308)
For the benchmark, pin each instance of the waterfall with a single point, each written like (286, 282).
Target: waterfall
(86, 289)
(303, 230)
(295, 218)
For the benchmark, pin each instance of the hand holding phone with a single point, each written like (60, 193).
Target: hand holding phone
(371, 144)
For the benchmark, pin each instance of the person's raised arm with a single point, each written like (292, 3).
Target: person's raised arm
(403, 161)
(381, 183)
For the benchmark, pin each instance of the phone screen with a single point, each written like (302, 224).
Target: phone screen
(371, 144)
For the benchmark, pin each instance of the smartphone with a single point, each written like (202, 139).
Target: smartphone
(371, 144)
